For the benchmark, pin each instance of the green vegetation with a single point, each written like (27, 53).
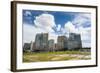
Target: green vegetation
(55, 56)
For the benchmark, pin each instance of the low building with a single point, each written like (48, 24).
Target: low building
(86, 49)
(26, 47)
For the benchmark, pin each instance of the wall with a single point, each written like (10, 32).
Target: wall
(5, 37)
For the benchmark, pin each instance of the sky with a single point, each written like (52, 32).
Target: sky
(56, 23)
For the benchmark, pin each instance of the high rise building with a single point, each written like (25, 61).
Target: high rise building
(38, 42)
(31, 46)
(62, 43)
(51, 45)
(74, 41)
(44, 41)
(41, 42)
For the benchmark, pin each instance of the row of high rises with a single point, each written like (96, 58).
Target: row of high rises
(41, 43)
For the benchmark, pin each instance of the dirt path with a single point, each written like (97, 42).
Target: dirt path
(72, 56)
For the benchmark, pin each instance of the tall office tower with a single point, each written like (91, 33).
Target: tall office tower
(74, 41)
(41, 42)
(62, 43)
(38, 42)
(44, 41)
(51, 45)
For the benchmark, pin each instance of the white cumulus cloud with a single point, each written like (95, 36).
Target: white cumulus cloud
(69, 27)
(58, 27)
(45, 21)
(82, 19)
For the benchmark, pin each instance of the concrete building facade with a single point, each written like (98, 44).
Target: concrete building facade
(74, 41)
(62, 42)
(51, 45)
(41, 42)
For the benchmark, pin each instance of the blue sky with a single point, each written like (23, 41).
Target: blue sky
(58, 16)
(56, 23)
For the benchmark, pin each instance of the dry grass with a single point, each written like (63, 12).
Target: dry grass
(56, 56)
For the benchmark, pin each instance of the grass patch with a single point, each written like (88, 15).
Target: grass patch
(55, 56)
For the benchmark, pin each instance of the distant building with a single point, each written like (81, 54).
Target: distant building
(45, 41)
(31, 46)
(41, 42)
(26, 47)
(55, 47)
(62, 43)
(51, 45)
(86, 49)
(74, 41)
